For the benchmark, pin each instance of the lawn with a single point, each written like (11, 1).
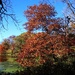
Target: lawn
(10, 67)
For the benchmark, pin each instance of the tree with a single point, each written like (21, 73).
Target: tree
(6, 44)
(40, 48)
(42, 17)
(35, 50)
(20, 40)
(11, 44)
(1, 49)
(43, 46)
(2, 53)
(5, 6)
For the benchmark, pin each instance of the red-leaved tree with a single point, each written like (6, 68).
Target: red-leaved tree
(40, 47)
(42, 17)
(1, 49)
(2, 53)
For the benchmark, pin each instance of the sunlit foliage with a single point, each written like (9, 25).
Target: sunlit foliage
(41, 17)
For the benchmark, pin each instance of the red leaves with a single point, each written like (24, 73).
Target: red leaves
(35, 47)
(38, 48)
(1, 49)
(39, 16)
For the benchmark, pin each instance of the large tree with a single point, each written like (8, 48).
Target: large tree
(39, 48)
(42, 48)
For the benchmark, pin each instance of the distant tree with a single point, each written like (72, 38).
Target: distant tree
(2, 53)
(6, 44)
(1, 49)
(11, 42)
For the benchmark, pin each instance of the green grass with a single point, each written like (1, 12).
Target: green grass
(11, 67)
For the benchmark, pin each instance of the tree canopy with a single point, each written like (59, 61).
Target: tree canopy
(41, 17)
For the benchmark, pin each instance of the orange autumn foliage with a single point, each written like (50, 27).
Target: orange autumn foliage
(38, 49)
(35, 50)
(41, 16)
(2, 55)
(1, 49)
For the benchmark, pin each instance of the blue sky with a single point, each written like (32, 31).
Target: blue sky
(19, 6)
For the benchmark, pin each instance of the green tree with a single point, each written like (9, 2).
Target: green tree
(19, 41)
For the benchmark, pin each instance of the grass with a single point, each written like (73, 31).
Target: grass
(11, 67)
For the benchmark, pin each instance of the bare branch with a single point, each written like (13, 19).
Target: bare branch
(4, 15)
